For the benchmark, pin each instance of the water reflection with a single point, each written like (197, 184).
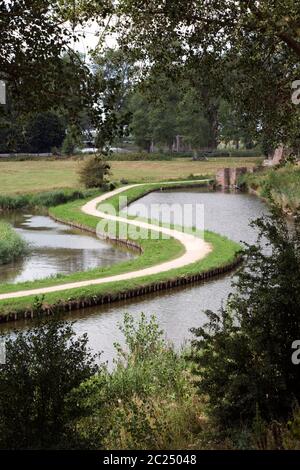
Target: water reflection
(57, 249)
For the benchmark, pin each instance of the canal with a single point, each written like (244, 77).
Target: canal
(177, 310)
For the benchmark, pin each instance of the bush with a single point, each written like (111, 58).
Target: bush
(280, 185)
(243, 355)
(93, 171)
(12, 245)
(146, 402)
(139, 156)
(42, 366)
(46, 199)
(201, 155)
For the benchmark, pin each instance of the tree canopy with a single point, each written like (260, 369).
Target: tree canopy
(248, 50)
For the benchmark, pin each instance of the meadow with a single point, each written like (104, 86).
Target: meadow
(36, 176)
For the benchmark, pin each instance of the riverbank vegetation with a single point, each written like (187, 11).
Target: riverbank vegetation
(43, 199)
(245, 356)
(12, 245)
(280, 186)
(66, 399)
(234, 388)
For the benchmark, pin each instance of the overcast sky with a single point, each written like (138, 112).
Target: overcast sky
(90, 40)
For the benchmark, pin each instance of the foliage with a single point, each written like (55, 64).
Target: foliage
(42, 366)
(94, 171)
(243, 354)
(278, 185)
(117, 73)
(44, 199)
(192, 122)
(35, 39)
(147, 401)
(140, 124)
(44, 131)
(71, 141)
(163, 111)
(239, 51)
(12, 245)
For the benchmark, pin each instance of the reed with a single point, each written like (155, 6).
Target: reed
(12, 245)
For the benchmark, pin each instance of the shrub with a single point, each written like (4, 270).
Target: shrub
(243, 355)
(147, 401)
(279, 185)
(140, 156)
(12, 245)
(93, 171)
(44, 199)
(42, 366)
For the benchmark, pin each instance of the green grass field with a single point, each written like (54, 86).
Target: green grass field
(36, 176)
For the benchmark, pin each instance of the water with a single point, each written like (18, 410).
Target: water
(179, 309)
(56, 248)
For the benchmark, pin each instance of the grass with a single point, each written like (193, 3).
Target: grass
(12, 245)
(43, 199)
(37, 176)
(148, 401)
(280, 186)
(154, 252)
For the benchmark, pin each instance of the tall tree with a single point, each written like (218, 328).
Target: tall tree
(255, 47)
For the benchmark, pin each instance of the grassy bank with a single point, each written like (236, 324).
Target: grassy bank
(43, 199)
(36, 176)
(12, 246)
(153, 252)
(281, 186)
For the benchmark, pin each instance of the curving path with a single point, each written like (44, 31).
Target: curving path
(195, 250)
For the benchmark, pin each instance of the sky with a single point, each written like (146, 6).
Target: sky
(91, 37)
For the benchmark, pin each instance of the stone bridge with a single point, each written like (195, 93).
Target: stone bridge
(229, 177)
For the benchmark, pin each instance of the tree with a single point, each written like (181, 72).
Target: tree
(93, 171)
(33, 39)
(42, 366)
(44, 131)
(191, 121)
(243, 355)
(233, 127)
(39, 63)
(140, 125)
(117, 74)
(251, 48)
(72, 140)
